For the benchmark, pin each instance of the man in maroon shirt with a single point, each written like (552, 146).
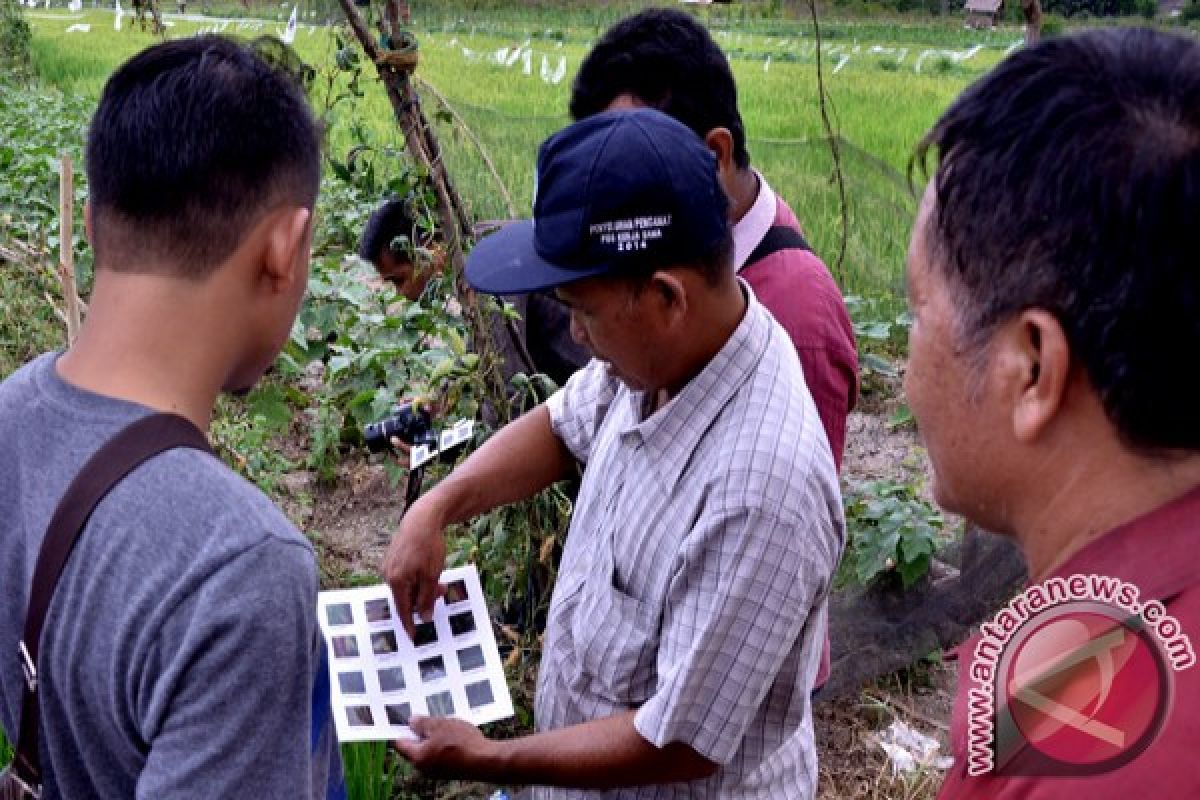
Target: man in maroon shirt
(665, 59)
(1054, 284)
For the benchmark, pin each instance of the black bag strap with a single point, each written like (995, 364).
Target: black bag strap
(778, 237)
(133, 445)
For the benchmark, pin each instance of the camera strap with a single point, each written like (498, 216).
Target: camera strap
(777, 238)
(133, 445)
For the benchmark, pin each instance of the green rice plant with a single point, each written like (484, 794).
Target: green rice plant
(371, 769)
(6, 752)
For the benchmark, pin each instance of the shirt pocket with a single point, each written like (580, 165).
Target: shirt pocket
(615, 640)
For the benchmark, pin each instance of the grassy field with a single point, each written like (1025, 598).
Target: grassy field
(887, 83)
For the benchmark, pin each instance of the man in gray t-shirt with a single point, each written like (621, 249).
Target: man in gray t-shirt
(181, 655)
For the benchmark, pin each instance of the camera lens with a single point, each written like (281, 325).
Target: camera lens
(404, 423)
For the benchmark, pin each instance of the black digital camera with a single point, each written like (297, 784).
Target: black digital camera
(410, 423)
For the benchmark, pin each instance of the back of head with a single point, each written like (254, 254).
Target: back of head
(668, 61)
(193, 141)
(391, 220)
(1069, 180)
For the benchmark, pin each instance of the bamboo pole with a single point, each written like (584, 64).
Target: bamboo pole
(66, 248)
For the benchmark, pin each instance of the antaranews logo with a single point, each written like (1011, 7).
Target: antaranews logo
(1073, 677)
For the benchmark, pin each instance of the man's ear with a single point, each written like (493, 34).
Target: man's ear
(670, 295)
(286, 247)
(1036, 361)
(720, 141)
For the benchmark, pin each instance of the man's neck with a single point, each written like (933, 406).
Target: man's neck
(721, 314)
(1084, 500)
(147, 349)
(743, 192)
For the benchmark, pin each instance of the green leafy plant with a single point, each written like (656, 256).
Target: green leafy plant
(244, 437)
(882, 336)
(891, 534)
(36, 126)
(376, 348)
(6, 752)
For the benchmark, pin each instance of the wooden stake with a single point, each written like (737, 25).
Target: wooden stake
(66, 249)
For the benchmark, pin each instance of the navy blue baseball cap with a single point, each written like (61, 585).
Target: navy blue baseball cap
(618, 193)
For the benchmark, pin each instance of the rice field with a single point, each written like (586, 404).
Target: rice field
(508, 79)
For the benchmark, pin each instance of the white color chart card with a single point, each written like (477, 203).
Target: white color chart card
(380, 677)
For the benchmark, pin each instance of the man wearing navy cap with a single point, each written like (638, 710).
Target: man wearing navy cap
(686, 624)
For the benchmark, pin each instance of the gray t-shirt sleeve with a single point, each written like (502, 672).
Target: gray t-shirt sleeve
(227, 707)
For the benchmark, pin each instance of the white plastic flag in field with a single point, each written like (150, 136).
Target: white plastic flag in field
(555, 75)
(560, 71)
(289, 35)
(527, 62)
(79, 28)
(767, 64)
(513, 56)
(845, 60)
(117, 18)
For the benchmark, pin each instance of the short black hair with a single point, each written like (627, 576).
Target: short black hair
(1068, 179)
(390, 220)
(714, 265)
(193, 140)
(669, 61)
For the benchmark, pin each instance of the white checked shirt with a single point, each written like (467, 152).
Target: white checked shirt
(695, 578)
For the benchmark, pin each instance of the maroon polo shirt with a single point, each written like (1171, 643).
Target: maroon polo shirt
(798, 290)
(1156, 553)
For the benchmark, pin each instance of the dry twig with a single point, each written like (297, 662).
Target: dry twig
(470, 134)
(834, 149)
